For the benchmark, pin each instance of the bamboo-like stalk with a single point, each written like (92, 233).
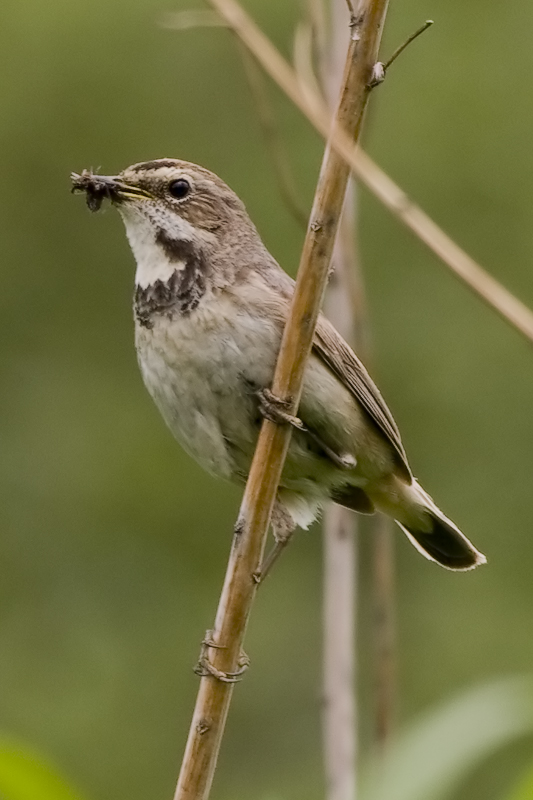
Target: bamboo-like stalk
(491, 291)
(384, 631)
(339, 662)
(345, 304)
(340, 529)
(340, 526)
(223, 646)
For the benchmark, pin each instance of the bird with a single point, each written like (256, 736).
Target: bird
(210, 304)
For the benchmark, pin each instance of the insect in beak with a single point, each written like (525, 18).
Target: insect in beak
(100, 187)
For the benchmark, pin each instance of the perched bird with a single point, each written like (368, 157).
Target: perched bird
(210, 304)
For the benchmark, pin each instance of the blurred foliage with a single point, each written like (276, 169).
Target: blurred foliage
(25, 776)
(427, 761)
(114, 543)
(432, 756)
(524, 789)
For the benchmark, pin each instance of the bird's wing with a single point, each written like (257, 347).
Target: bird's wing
(342, 361)
(276, 291)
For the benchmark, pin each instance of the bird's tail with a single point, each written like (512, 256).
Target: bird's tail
(432, 533)
(445, 544)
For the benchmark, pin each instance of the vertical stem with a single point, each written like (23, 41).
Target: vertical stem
(340, 525)
(384, 629)
(340, 706)
(224, 645)
(345, 303)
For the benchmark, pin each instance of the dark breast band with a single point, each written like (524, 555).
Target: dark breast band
(184, 289)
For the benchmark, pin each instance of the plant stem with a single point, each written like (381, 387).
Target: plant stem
(491, 291)
(340, 529)
(224, 644)
(273, 139)
(399, 50)
(340, 703)
(340, 526)
(384, 630)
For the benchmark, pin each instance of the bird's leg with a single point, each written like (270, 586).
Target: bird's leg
(283, 527)
(275, 409)
(342, 460)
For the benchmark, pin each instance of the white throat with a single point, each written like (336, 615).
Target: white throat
(153, 264)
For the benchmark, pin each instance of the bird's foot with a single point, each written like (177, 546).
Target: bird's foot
(275, 409)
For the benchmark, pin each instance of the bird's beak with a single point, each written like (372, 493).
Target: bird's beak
(98, 187)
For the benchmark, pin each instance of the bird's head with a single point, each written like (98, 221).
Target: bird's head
(173, 211)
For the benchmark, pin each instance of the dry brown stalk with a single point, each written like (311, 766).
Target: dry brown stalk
(222, 652)
(191, 18)
(399, 50)
(389, 193)
(303, 53)
(339, 717)
(340, 526)
(345, 303)
(273, 139)
(384, 630)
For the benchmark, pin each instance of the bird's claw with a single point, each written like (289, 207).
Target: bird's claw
(275, 409)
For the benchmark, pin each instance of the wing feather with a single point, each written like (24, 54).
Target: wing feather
(276, 289)
(340, 358)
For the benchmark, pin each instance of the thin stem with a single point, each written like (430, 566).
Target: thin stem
(340, 526)
(399, 50)
(339, 663)
(491, 291)
(192, 18)
(273, 139)
(224, 646)
(384, 630)
(351, 9)
(319, 23)
(303, 57)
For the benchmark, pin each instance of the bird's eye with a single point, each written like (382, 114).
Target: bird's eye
(179, 189)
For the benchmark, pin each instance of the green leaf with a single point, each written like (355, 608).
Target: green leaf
(435, 754)
(524, 790)
(25, 775)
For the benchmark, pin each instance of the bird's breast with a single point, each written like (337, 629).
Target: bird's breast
(202, 369)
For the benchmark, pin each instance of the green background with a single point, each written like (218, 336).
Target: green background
(113, 542)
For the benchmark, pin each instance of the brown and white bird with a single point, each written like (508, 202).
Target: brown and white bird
(210, 305)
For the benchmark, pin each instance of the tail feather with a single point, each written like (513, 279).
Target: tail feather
(444, 543)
